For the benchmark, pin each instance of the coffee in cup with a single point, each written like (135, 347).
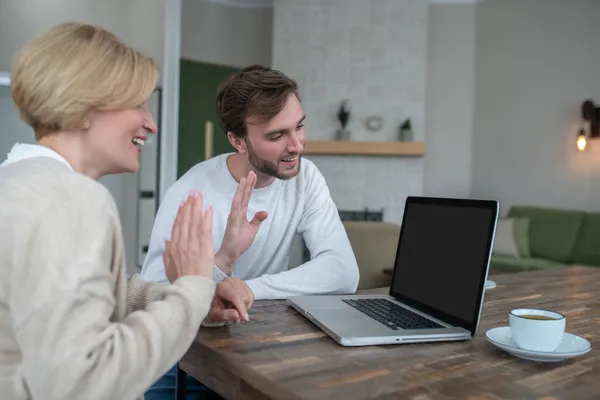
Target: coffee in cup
(537, 330)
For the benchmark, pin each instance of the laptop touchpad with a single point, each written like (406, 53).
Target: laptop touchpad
(346, 321)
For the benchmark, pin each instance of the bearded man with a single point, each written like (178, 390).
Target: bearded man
(262, 195)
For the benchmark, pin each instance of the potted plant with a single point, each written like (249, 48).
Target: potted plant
(343, 117)
(406, 133)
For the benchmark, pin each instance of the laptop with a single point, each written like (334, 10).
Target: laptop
(438, 281)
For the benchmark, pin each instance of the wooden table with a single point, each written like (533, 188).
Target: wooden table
(280, 355)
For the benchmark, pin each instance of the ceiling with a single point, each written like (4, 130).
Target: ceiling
(269, 3)
(245, 3)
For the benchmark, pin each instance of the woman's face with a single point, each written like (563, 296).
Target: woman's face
(116, 138)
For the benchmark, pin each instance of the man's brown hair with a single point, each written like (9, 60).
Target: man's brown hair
(256, 91)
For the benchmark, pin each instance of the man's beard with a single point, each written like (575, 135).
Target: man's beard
(267, 167)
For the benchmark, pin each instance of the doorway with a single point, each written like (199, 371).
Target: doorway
(198, 82)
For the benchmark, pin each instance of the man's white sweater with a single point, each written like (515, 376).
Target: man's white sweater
(301, 205)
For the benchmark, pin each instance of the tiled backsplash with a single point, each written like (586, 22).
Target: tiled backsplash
(372, 53)
(372, 182)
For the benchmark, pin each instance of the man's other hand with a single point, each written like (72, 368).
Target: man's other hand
(233, 298)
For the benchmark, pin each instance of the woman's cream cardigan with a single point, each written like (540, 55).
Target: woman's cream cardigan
(72, 325)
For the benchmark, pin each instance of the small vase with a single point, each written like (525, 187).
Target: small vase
(342, 134)
(406, 135)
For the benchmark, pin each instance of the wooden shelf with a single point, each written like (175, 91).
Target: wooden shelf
(357, 148)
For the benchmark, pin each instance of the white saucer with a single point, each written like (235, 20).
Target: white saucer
(571, 346)
(489, 284)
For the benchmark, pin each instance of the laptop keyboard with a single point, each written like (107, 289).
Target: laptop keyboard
(391, 314)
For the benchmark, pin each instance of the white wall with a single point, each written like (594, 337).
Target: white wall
(226, 35)
(449, 100)
(536, 61)
(11, 126)
(374, 55)
(20, 21)
(146, 19)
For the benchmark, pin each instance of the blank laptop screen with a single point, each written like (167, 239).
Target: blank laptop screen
(442, 258)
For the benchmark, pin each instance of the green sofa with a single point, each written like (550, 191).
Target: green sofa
(544, 238)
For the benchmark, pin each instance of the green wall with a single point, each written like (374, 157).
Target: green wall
(197, 98)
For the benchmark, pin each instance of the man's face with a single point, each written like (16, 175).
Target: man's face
(275, 147)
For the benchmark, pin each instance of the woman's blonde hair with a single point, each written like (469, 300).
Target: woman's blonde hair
(60, 77)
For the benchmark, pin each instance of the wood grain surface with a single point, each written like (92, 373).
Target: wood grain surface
(281, 355)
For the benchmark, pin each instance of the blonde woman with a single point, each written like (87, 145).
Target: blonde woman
(72, 325)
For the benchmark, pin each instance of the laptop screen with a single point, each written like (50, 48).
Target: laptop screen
(442, 257)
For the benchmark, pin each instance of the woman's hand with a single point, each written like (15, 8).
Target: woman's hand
(190, 250)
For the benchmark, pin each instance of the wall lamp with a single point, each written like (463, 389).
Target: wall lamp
(590, 113)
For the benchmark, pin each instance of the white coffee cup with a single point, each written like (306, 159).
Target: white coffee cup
(537, 330)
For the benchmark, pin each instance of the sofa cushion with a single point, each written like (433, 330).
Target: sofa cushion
(504, 239)
(587, 246)
(512, 237)
(521, 235)
(511, 264)
(552, 232)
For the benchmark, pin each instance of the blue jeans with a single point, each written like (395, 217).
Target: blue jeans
(164, 388)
